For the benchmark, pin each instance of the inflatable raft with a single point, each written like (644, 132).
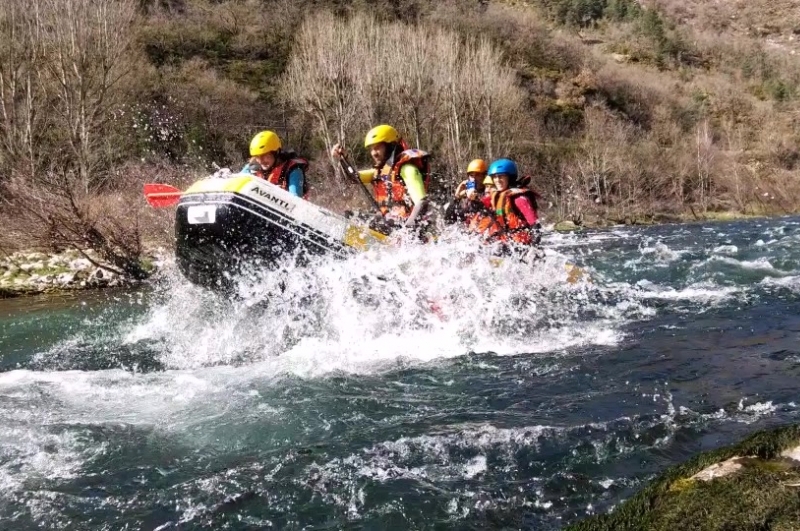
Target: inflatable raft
(225, 224)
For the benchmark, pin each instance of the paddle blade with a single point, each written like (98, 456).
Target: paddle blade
(161, 195)
(361, 237)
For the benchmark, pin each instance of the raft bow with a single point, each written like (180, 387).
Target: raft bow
(222, 224)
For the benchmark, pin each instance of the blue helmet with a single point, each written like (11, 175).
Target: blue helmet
(507, 166)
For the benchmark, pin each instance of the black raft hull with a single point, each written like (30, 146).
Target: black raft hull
(222, 235)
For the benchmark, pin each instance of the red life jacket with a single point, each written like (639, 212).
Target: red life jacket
(471, 210)
(279, 174)
(389, 189)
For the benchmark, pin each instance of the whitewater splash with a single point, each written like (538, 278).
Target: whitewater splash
(388, 306)
(414, 304)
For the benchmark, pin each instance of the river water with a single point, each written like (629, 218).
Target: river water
(402, 389)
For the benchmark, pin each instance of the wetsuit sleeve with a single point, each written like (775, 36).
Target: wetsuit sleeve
(525, 208)
(296, 179)
(366, 175)
(414, 182)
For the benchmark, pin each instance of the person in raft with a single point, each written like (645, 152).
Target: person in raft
(511, 215)
(473, 188)
(268, 161)
(488, 186)
(468, 194)
(399, 177)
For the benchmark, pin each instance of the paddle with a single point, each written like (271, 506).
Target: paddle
(351, 172)
(161, 195)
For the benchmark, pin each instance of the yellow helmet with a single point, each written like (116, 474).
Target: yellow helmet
(477, 166)
(381, 133)
(264, 142)
(488, 181)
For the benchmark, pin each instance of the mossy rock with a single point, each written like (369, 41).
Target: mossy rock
(148, 264)
(566, 226)
(762, 493)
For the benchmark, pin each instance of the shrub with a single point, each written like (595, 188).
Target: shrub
(347, 75)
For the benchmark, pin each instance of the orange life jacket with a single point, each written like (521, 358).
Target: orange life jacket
(505, 223)
(389, 189)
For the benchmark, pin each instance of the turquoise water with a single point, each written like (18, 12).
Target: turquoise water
(334, 397)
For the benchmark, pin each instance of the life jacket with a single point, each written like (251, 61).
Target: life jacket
(279, 174)
(389, 189)
(483, 222)
(505, 223)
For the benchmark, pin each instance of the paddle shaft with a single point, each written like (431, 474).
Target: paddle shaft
(353, 174)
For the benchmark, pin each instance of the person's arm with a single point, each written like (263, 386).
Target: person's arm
(366, 176)
(248, 168)
(525, 208)
(415, 185)
(461, 190)
(296, 180)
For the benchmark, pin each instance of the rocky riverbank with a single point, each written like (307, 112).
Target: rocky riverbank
(750, 486)
(30, 273)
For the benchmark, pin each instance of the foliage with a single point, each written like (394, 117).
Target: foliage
(619, 109)
(586, 12)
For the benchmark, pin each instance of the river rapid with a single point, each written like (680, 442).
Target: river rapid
(415, 388)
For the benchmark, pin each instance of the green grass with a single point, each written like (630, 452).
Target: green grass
(50, 270)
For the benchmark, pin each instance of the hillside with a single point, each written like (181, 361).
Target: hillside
(621, 110)
(776, 24)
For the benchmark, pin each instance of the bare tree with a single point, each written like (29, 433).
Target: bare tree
(85, 44)
(367, 68)
(21, 92)
(499, 97)
(454, 84)
(321, 77)
(58, 214)
(68, 57)
(410, 75)
(705, 158)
